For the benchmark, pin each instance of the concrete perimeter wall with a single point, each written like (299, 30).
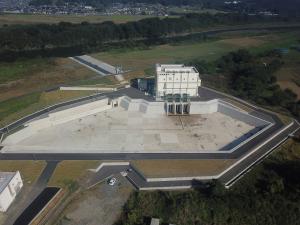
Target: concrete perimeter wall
(238, 115)
(149, 108)
(196, 108)
(142, 106)
(204, 107)
(57, 118)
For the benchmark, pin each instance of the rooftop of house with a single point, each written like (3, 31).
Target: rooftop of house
(5, 178)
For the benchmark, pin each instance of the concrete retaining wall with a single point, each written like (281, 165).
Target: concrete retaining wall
(204, 107)
(196, 108)
(57, 118)
(238, 115)
(87, 89)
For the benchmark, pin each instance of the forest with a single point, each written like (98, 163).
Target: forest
(251, 77)
(67, 39)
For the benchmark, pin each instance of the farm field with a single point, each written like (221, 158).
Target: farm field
(11, 19)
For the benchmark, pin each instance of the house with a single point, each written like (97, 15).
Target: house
(10, 185)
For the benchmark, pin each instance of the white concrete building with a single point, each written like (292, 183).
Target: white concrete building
(176, 79)
(10, 185)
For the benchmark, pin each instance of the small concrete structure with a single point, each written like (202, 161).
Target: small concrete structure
(154, 221)
(10, 185)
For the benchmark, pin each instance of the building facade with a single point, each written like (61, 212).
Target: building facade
(10, 185)
(176, 79)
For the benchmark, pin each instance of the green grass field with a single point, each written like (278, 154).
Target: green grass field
(208, 51)
(10, 19)
(23, 68)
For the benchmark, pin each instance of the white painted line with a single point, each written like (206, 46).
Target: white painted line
(255, 150)
(253, 163)
(109, 164)
(165, 188)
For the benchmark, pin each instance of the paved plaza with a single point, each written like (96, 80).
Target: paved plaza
(119, 130)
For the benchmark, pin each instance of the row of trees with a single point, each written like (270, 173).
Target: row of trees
(42, 39)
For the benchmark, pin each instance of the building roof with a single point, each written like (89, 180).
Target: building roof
(5, 178)
(171, 68)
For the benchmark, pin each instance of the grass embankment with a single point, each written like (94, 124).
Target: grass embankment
(29, 170)
(181, 168)
(68, 172)
(27, 76)
(11, 19)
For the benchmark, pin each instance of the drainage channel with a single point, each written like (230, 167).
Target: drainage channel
(36, 206)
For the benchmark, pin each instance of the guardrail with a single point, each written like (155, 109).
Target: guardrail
(19, 123)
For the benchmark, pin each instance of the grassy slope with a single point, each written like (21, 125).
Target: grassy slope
(13, 109)
(181, 168)
(27, 76)
(30, 170)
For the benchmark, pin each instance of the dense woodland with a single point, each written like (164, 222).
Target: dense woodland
(66, 39)
(268, 195)
(251, 77)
